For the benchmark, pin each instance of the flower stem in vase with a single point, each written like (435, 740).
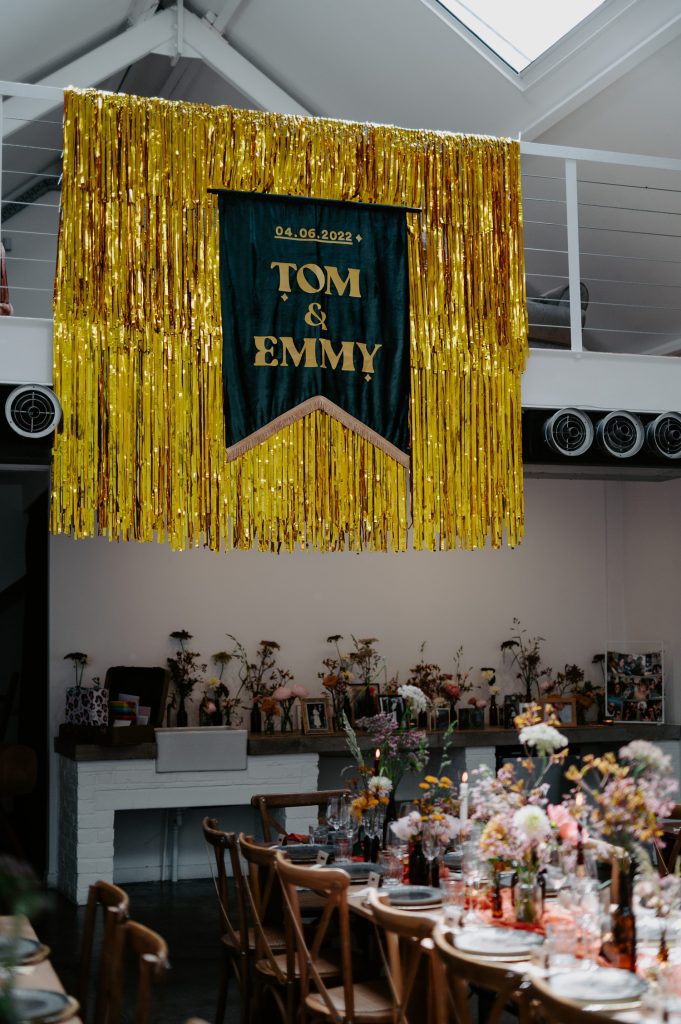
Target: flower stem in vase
(497, 912)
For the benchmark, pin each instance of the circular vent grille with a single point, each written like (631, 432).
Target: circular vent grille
(663, 435)
(620, 434)
(32, 410)
(569, 432)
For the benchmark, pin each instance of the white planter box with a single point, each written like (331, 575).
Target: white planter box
(204, 749)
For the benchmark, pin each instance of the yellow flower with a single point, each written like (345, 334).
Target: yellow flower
(423, 785)
(445, 781)
(432, 780)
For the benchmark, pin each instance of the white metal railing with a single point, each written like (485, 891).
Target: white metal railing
(634, 284)
(627, 312)
(30, 173)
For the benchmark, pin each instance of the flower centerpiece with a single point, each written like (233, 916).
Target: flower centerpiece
(185, 672)
(335, 677)
(525, 653)
(430, 828)
(511, 807)
(628, 795)
(400, 749)
(372, 793)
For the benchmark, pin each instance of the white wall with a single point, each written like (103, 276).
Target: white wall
(601, 561)
(119, 602)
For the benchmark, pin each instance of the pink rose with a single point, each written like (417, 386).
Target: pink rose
(545, 686)
(282, 693)
(568, 829)
(298, 691)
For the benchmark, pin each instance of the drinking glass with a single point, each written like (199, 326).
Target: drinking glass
(431, 846)
(392, 868)
(454, 896)
(333, 812)
(472, 875)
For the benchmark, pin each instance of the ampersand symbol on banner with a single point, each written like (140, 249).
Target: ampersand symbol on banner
(315, 316)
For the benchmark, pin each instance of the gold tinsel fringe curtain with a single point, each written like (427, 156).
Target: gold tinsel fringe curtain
(138, 335)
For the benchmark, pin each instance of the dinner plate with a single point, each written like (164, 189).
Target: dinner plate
(304, 853)
(497, 941)
(17, 950)
(33, 1004)
(417, 896)
(358, 870)
(603, 984)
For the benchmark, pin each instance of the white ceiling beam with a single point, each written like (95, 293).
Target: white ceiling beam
(141, 10)
(217, 53)
(222, 19)
(94, 66)
(549, 81)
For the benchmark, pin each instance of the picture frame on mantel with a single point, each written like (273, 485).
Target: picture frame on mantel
(316, 716)
(635, 683)
(564, 709)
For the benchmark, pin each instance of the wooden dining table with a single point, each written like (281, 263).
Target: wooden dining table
(42, 975)
(357, 903)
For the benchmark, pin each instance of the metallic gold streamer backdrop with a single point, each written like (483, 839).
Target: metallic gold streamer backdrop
(138, 336)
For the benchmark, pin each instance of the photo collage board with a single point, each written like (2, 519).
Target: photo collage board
(634, 690)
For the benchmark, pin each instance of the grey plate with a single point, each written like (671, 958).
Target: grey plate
(603, 984)
(407, 896)
(358, 870)
(304, 853)
(17, 951)
(38, 1004)
(497, 941)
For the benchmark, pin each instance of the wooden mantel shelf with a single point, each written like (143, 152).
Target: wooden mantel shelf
(608, 736)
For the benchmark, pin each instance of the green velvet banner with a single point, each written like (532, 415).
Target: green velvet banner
(315, 316)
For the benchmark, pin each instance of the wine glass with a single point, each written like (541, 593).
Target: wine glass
(431, 845)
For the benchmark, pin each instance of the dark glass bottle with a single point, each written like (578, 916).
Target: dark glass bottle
(493, 713)
(256, 718)
(624, 925)
(182, 718)
(419, 873)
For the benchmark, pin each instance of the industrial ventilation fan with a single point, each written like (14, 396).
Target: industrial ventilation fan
(589, 443)
(32, 410)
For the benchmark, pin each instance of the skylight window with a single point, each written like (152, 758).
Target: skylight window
(519, 31)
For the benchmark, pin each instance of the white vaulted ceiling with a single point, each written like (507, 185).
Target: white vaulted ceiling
(404, 62)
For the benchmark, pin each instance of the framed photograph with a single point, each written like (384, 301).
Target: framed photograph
(316, 716)
(441, 718)
(392, 705)
(364, 700)
(635, 682)
(564, 708)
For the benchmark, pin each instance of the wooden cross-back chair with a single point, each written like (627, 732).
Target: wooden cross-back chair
(547, 1008)
(150, 954)
(236, 939)
(463, 972)
(265, 803)
(276, 964)
(349, 1002)
(407, 954)
(115, 910)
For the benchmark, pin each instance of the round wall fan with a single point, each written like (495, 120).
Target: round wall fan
(620, 434)
(569, 432)
(32, 410)
(663, 435)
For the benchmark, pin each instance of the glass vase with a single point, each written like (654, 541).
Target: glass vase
(286, 716)
(623, 921)
(528, 902)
